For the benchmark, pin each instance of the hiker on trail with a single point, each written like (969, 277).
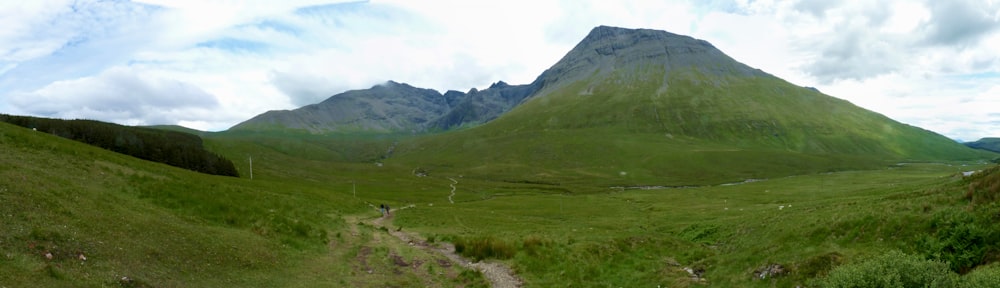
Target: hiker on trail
(387, 210)
(381, 208)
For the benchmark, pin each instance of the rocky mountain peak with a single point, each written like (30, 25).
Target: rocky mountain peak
(626, 51)
(606, 40)
(499, 84)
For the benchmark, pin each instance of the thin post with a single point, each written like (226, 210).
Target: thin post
(251, 166)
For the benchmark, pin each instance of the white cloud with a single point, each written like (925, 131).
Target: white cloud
(121, 95)
(252, 56)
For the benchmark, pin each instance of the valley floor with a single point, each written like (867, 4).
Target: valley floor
(78, 216)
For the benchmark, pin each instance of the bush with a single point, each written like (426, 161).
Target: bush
(532, 244)
(960, 239)
(984, 277)
(473, 279)
(983, 187)
(820, 265)
(893, 269)
(484, 247)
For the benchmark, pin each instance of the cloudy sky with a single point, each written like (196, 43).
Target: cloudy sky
(210, 64)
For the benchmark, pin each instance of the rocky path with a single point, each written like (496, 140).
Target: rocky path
(453, 182)
(497, 273)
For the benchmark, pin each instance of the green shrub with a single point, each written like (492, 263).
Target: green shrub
(532, 244)
(984, 277)
(984, 187)
(700, 233)
(893, 269)
(484, 247)
(820, 265)
(959, 239)
(473, 279)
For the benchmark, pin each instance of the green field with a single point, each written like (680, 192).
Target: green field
(305, 218)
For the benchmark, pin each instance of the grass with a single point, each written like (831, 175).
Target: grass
(162, 226)
(155, 225)
(809, 224)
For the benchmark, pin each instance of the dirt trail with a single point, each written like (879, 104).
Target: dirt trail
(497, 273)
(453, 182)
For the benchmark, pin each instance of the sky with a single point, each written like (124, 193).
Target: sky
(210, 64)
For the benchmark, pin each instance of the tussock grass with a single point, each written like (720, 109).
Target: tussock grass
(480, 248)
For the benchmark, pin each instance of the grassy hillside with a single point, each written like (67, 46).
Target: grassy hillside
(739, 111)
(579, 232)
(634, 132)
(179, 149)
(178, 128)
(798, 227)
(74, 215)
(990, 144)
(300, 223)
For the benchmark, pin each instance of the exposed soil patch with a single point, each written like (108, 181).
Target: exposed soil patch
(362, 258)
(497, 273)
(444, 262)
(398, 260)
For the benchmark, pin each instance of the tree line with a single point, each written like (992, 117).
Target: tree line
(173, 148)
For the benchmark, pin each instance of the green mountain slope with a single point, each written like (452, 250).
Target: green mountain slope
(646, 107)
(177, 128)
(989, 144)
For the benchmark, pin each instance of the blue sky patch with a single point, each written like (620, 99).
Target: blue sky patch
(235, 45)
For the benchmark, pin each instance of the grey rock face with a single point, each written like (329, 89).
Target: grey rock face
(479, 107)
(609, 49)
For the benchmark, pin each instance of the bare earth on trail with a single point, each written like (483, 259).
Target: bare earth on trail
(376, 259)
(497, 273)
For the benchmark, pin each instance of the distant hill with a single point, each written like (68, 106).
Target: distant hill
(989, 144)
(176, 128)
(393, 108)
(173, 148)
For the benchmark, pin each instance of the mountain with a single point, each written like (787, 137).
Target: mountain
(477, 107)
(989, 144)
(641, 54)
(658, 107)
(647, 106)
(389, 107)
(649, 81)
(394, 108)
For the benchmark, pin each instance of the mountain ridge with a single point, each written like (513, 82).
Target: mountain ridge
(394, 107)
(636, 83)
(340, 113)
(663, 109)
(988, 143)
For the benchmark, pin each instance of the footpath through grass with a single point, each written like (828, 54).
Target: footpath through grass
(73, 215)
